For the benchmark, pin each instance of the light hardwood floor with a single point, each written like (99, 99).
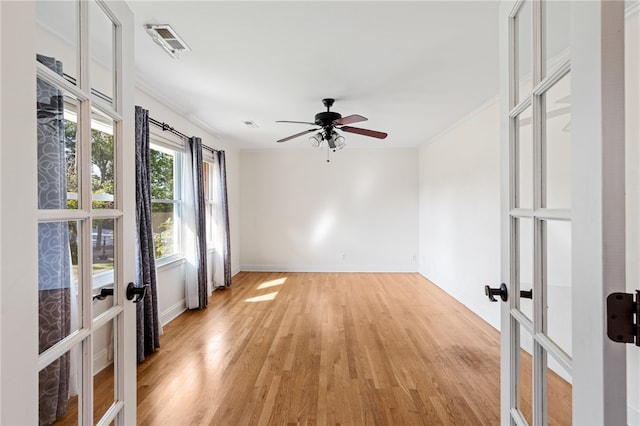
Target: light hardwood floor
(330, 349)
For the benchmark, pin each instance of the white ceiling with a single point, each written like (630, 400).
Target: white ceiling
(413, 68)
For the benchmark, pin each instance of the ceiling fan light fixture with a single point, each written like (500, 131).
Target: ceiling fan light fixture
(316, 140)
(339, 142)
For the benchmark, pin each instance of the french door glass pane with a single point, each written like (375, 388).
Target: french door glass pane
(57, 33)
(101, 35)
(58, 278)
(525, 264)
(558, 145)
(557, 35)
(525, 374)
(103, 371)
(558, 283)
(58, 388)
(524, 166)
(560, 398)
(524, 48)
(102, 161)
(101, 306)
(57, 146)
(103, 243)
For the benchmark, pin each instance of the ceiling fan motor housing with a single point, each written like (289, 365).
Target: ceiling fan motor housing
(326, 118)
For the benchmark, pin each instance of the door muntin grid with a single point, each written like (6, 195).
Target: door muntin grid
(529, 196)
(93, 117)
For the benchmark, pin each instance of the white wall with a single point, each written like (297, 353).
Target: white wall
(356, 213)
(460, 211)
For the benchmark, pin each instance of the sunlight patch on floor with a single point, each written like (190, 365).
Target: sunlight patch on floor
(263, 298)
(214, 342)
(215, 352)
(272, 283)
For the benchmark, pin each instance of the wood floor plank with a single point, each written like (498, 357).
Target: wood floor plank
(329, 349)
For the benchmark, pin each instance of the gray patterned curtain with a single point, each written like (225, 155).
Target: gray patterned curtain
(148, 323)
(195, 148)
(54, 256)
(222, 255)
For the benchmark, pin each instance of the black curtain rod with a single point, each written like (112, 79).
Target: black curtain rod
(166, 128)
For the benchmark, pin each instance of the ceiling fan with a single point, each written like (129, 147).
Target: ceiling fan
(330, 121)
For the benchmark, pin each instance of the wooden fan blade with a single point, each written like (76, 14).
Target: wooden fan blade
(297, 122)
(365, 132)
(354, 118)
(297, 134)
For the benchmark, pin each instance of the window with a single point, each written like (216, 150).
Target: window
(165, 200)
(210, 202)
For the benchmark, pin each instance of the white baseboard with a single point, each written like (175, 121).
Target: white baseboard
(329, 268)
(173, 312)
(101, 360)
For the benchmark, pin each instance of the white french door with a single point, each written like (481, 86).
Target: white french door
(67, 73)
(563, 208)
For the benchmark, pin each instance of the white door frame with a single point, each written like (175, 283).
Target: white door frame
(597, 39)
(598, 365)
(19, 361)
(127, 346)
(18, 245)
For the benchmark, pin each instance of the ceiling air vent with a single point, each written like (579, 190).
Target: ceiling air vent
(167, 38)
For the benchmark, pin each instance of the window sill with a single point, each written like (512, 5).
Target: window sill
(169, 262)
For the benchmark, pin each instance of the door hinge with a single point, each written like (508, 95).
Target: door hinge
(622, 317)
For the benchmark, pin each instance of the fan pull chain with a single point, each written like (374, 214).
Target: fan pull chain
(328, 150)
